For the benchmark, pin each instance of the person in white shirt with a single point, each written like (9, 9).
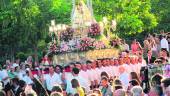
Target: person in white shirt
(58, 70)
(132, 65)
(5, 79)
(27, 77)
(90, 73)
(113, 68)
(164, 43)
(127, 64)
(99, 69)
(125, 45)
(52, 78)
(95, 76)
(116, 63)
(124, 77)
(4, 76)
(21, 72)
(83, 73)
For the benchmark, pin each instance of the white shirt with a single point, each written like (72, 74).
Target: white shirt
(124, 78)
(128, 68)
(109, 68)
(27, 79)
(94, 74)
(113, 70)
(3, 75)
(164, 44)
(126, 46)
(103, 69)
(90, 74)
(132, 67)
(98, 70)
(138, 68)
(116, 70)
(85, 75)
(21, 74)
(52, 80)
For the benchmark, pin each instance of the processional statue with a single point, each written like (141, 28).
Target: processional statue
(81, 17)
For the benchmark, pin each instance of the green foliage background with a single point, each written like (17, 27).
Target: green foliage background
(24, 23)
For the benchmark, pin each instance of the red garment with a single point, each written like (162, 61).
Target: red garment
(134, 48)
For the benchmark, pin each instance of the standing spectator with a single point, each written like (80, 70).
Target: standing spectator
(157, 42)
(29, 61)
(135, 47)
(105, 88)
(124, 77)
(5, 79)
(134, 76)
(164, 43)
(125, 45)
(168, 38)
(46, 60)
(27, 77)
(147, 46)
(83, 73)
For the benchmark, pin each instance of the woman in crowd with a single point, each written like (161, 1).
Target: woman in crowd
(134, 76)
(136, 47)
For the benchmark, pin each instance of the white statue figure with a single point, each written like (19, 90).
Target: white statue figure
(81, 17)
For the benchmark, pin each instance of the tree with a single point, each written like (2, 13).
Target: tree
(161, 9)
(132, 16)
(24, 24)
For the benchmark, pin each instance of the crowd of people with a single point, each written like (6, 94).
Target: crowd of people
(127, 75)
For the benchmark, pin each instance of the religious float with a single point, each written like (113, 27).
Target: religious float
(85, 39)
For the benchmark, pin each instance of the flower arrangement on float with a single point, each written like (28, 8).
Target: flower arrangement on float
(95, 40)
(86, 43)
(67, 34)
(53, 48)
(94, 30)
(64, 47)
(99, 45)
